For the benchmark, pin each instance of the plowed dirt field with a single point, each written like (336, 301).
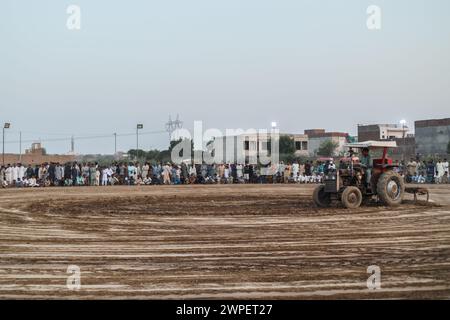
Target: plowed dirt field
(218, 242)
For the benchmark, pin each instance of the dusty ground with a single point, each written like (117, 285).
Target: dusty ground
(240, 241)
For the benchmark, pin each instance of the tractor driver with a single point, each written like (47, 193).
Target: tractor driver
(366, 163)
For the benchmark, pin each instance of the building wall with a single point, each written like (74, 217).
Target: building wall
(318, 136)
(255, 143)
(392, 132)
(315, 142)
(379, 132)
(37, 155)
(34, 159)
(301, 142)
(368, 133)
(432, 136)
(406, 148)
(314, 132)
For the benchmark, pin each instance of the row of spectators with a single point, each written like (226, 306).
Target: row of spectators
(135, 173)
(416, 171)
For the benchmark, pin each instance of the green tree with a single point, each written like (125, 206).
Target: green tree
(101, 159)
(286, 146)
(164, 156)
(153, 155)
(327, 148)
(448, 148)
(133, 154)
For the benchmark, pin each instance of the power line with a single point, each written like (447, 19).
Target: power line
(93, 137)
(40, 133)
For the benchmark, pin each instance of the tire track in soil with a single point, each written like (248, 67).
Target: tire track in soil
(252, 241)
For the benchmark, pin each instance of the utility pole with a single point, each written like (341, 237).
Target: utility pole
(72, 145)
(115, 143)
(138, 127)
(403, 123)
(20, 146)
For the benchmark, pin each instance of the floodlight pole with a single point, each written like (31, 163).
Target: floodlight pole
(404, 142)
(20, 146)
(5, 126)
(403, 123)
(3, 145)
(115, 143)
(138, 126)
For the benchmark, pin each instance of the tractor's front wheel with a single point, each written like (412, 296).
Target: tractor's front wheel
(321, 198)
(351, 197)
(391, 188)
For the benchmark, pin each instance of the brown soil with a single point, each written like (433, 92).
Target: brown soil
(239, 241)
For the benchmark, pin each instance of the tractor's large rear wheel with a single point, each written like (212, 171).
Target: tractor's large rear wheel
(351, 197)
(321, 198)
(391, 188)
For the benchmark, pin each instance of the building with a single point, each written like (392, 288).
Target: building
(316, 137)
(253, 145)
(380, 132)
(432, 136)
(406, 148)
(37, 155)
(301, 142)
(390, 132)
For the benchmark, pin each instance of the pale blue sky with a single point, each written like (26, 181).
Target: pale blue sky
(232, 64)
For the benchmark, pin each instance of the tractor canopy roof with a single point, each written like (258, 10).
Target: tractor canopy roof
(372, 144)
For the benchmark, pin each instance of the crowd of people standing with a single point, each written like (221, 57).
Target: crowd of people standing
(430, 171)
(135, 173)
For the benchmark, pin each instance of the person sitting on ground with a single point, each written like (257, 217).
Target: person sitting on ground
(444, 178)
(418, 178)
(147, 181)
(139, 181)
(32, 182)
(115, 180)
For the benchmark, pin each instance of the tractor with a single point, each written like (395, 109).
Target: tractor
(349, 184)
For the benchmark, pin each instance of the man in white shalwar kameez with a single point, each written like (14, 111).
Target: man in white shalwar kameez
(295, 169)
(22, 172)
(8, 174)
(439, 171)
(105, 176)
(15, 173)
